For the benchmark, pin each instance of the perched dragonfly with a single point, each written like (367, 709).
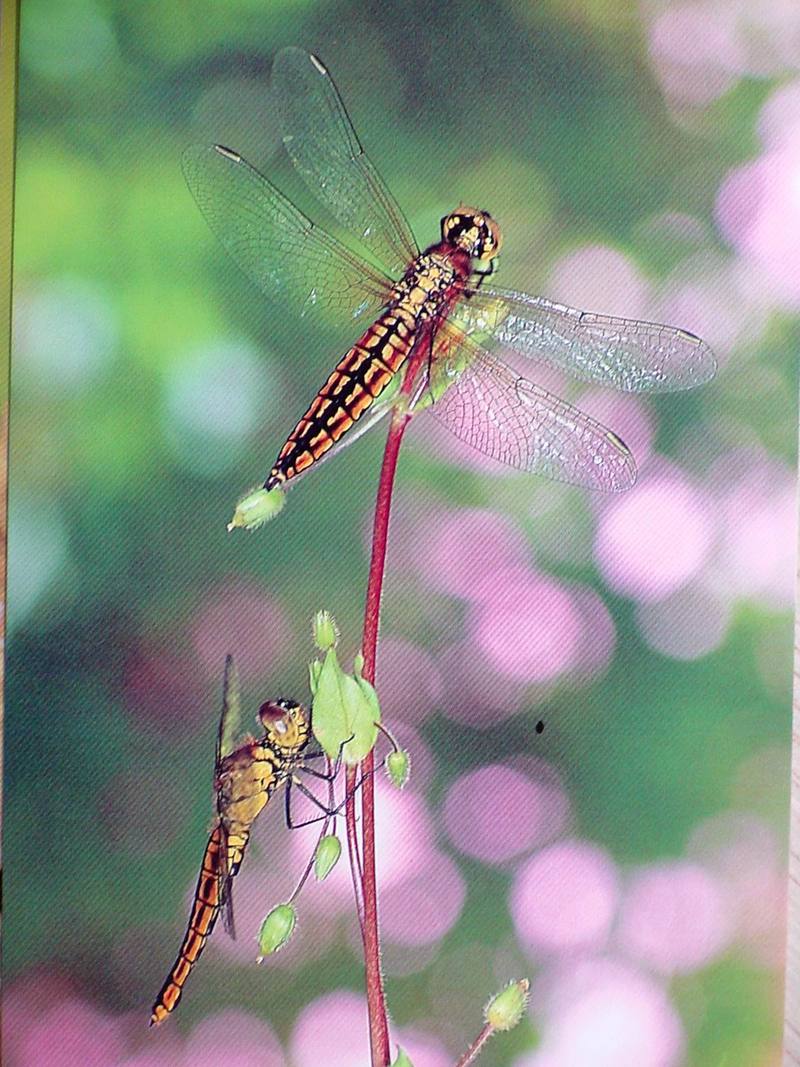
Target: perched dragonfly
(436, 301)
(247, 771)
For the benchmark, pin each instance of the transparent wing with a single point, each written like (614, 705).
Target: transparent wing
(276, 245)
(630, 355)
(230, 728)
(324, 148)
(225, 881)
(490, 407)
(229, 735)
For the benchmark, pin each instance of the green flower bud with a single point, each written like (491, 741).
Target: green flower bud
(402, 1059)
(328, 852)
(257, 508)
(506, 1008)
(325, 630)
(398, 767)
(276, 929)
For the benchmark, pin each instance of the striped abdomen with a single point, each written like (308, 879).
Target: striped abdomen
(216, 869)
(360, 376)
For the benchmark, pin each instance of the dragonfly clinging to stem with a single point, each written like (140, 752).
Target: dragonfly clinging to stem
(434, 310)
(247, 772)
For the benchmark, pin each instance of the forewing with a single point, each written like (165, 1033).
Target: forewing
(627, 354)
(226, 890)
(276, 245)
(324, 148)
(230, 720)
(490, 407)
(229, 737)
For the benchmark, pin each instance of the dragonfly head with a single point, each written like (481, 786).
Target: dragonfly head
(473, 230)
(285, 722)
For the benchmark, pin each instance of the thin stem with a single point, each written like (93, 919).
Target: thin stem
(322, 833)
(474, 1050)
(376, 1001)
(310, 864)
(353, 851)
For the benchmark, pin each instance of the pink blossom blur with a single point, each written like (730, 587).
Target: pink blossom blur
(599, 278)
(564, 898)
(530, 629)
(653, 539)
(495, 813)
(409, 681)
(425, 904)
(239, 616)
(476, 692)
(674, 917)
(463, 547)
(235, 1038)
(605, 1013)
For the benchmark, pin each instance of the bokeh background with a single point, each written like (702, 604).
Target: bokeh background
(642, 159)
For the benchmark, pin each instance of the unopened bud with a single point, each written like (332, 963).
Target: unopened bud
(506, 1008)
(276, 929)
(398, 767)
(257, 508)
(325, 630)
(328, 852)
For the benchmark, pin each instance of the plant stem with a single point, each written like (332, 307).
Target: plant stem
(376, 1001)
(472, 1053)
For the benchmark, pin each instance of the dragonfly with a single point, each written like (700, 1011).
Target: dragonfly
(434, 308)
(247, 773)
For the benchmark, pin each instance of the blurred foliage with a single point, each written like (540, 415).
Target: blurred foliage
(547, 114)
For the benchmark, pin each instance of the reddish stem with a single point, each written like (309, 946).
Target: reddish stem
(472, 1053)
(376, 1001)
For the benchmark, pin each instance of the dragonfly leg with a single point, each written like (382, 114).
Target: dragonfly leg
(327, 776)
(329, 812)
(489, 270)
(291, 824)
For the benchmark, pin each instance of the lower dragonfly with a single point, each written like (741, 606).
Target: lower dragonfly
(434, 304)
(247, 772)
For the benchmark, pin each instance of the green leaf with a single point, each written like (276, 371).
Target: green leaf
(343, 712)
(402, 1059)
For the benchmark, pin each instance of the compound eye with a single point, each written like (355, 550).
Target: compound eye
(271, 712)
(273, 716)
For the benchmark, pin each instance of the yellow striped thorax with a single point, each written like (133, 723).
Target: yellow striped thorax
(425, 287)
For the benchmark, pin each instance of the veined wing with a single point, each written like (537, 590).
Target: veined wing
(229, 736)
(633, 356)
(275, 244)
(490, 407)
(324, 148)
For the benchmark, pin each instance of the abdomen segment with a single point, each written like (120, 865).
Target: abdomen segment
(359, 378)
(216, 869)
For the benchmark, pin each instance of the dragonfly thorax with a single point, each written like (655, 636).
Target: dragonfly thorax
(426, 286)
(472, 230)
